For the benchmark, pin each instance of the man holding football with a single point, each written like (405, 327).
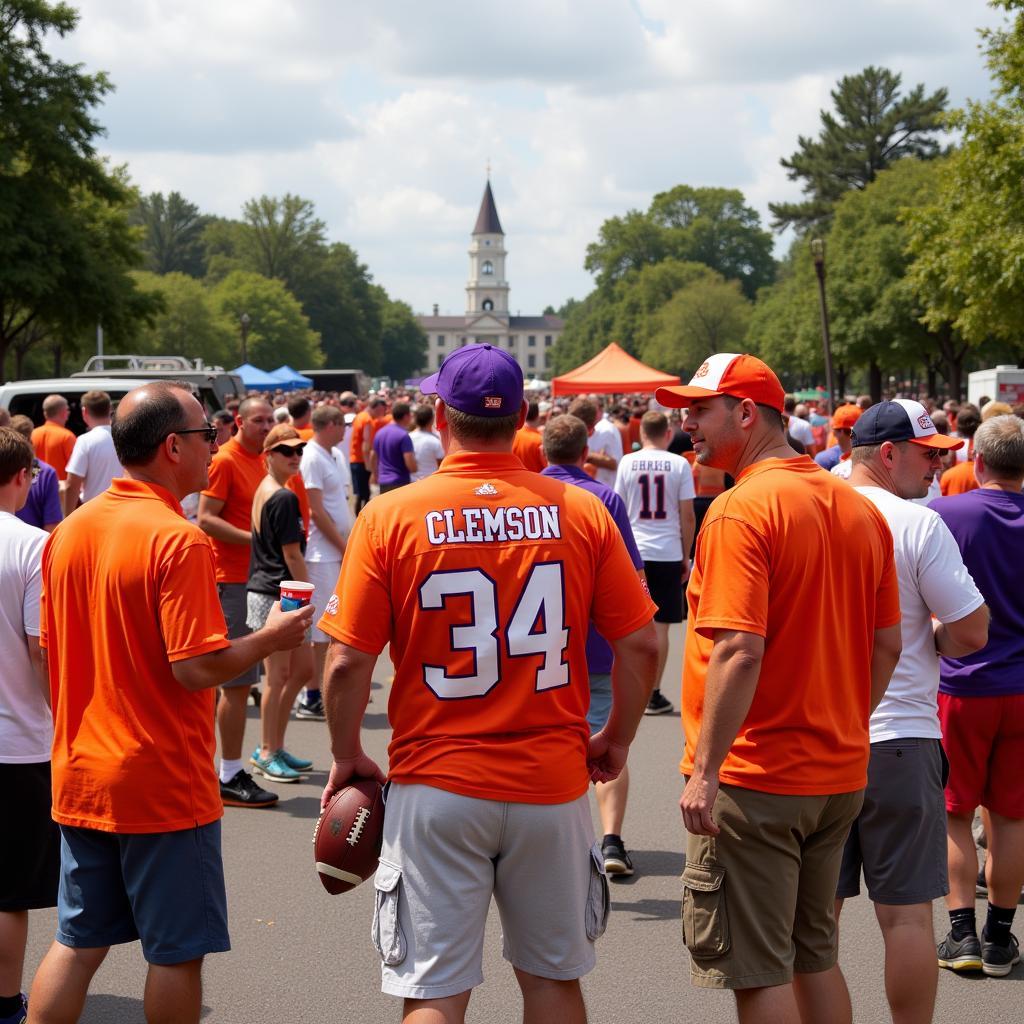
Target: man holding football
(483, 578)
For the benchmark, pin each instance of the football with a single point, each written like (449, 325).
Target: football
(346, 842)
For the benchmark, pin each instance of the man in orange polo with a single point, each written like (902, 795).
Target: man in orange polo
(135, 643)
(483, 578)
(775, 761)
(225, 513)
(528, 444)
(53, 442)
(364, 429)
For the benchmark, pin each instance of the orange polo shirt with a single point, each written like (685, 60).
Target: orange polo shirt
(53, 445)
(128, 589)
(235, 473)
(484, 578)
(958, 480)
(802, 559)
(528, 447)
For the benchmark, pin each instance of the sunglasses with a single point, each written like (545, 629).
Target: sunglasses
(288, 449)
(209, 432)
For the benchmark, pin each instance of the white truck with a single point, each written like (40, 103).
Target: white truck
(1004, 383)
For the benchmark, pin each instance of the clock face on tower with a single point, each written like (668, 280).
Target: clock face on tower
(487, 268)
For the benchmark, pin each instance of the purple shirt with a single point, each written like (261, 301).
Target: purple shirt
(389, 444)
(599, 652)
(43, 505)
(989, 528)
(829, 457)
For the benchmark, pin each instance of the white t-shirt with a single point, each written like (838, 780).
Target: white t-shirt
(652, 482)
(328, 473)
(26, 726)
(801, 430)
(607, 439)
(933, 581)
(95, 461)
(843, 469)
(429, 452)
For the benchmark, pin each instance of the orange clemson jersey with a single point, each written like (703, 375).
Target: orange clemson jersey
(483, 577)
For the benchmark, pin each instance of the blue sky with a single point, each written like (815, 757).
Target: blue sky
(386, 114)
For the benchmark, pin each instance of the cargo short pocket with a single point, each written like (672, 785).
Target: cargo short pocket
(386, 931)
(598, 899)
(705, 924)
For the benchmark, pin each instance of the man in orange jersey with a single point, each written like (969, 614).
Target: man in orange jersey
(135, 643)
(364, 427)
(960, 478)
(225, 513)
(483, 578)
(528, 444)
(775, 761)
(53, 442)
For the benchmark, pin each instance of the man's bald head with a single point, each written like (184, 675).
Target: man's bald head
(146, 415)
(254, 404)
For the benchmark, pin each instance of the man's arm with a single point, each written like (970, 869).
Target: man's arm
(732, 675)
(72, 490)
(410, 461)
(210, 522)
(348, 673)
(37, 655)
(965, 636)
(324, 523)
(284, 631)
(601, 459)
(295, 562)
(687, 527)
(634, 672)
(885, 655)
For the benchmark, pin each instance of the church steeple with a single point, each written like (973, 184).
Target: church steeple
(487, 289)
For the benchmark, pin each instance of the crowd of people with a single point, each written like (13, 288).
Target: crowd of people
(527, 577)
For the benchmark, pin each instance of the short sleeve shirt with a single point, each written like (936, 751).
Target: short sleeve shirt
(95, 461)
(43, 505)
(53, 445)
(786, 529)
(528, 447)
(429, 453)
(652, 482)
(391, 444)
(483, 578)
(235, 473)
(280, 524)
(327, 473)
(129, 589)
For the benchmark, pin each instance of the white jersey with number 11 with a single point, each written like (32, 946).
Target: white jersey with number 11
(652, 482)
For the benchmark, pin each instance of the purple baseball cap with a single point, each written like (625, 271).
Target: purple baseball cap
(478, 379)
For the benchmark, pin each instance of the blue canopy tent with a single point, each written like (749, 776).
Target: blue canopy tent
(290, 378)
(255, 379)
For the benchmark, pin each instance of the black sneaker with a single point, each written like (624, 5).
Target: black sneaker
(962, 955)
(998, 961)
(616, 860)
(981, 886)
(658, 705)
(313, 711)
(242, 791)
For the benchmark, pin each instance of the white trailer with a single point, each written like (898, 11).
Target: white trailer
(1001, 384)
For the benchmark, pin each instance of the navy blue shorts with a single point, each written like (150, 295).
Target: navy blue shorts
(164, 888)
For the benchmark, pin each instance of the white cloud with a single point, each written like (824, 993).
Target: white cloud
(385, 115)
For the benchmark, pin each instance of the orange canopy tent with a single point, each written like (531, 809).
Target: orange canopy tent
(611, 370)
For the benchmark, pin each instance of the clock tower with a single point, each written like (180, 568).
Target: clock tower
(487, 289)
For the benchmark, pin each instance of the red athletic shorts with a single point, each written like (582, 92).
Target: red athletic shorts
(984, 741)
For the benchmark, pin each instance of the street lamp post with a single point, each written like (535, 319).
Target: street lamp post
(818, 253)
(245, 320)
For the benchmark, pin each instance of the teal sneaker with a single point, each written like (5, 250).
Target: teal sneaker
(274, 768)
(300, 764)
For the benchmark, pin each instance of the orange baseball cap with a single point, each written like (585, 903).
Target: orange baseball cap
(845, 416)
(727, 373)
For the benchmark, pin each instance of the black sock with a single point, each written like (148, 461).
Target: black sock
(962, 923)
(655, 693)
(997, 924)
(10, 1005)
(611, 837)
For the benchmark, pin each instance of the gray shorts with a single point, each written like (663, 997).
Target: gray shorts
(445, 855)
(258, 609)
(899, 837)
(600, 702)
(234, 604)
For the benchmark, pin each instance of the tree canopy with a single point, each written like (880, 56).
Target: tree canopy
(172, 234)
(872, 127)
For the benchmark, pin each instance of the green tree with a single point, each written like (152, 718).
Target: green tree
(189, 324)
(65, 243)
(704, 317)
(403, 341)
(283, 238)
(872, 127)
(173, 234)
(968, 245)
(279, 331)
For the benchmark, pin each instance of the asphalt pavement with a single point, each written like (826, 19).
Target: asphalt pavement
(301, 955)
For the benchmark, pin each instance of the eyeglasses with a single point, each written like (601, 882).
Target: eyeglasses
(209, 432)
(288, 449)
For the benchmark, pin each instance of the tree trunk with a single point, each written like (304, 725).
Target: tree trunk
(58, 359)
(932, 380)
(953, 358)
(875, 382)
(841, 382)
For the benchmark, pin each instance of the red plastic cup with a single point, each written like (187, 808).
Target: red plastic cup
(295, 595)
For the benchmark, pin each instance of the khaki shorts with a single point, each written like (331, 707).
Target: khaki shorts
(444, 856)
(758, 899)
